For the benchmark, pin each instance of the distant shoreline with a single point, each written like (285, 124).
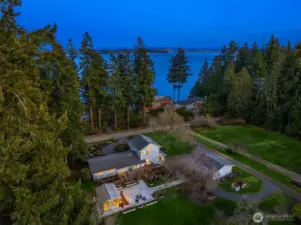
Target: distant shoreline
(168, 50)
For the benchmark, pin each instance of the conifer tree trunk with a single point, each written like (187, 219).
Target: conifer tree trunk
(91, 117)
(128, 116)
(144, 113)
(179, 87)
(99, 119)
(174, 93)
(115, 118)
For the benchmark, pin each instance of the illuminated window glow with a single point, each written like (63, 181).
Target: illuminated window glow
(144, 152)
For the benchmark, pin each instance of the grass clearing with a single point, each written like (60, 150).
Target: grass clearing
(172, 144)
(271, 146)
(255, 165)
(276, 200)
(177, 210)
(254, 184)
(274, 203)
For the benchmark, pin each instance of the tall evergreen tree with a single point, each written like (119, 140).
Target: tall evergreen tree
(288, 93)
(181, 69)
(271, 94)
(172, 74)
(64, 98)
(242, 58)
(86, 74)
(116, 86)
(72, 54)
(271, 53)
(34, 172)
(239, 99)
(94, 78)
(229, 75)
(144, 76)
(260, 66)
(204, 73)
(128, 88)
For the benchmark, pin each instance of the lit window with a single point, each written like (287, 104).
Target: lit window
(99, 173)
(111, 171)
(144, 152)
(149, 147)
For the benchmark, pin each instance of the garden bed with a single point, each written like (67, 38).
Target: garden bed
(96, 148)
(154, 182)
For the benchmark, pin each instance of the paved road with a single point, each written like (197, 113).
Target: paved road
(264, 178)
(267, 189)
(103, 137)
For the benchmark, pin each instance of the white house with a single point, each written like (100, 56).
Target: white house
(223, 166)
(143, 151)
(147, 149)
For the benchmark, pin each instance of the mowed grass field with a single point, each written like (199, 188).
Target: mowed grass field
(171, 144)
(271, 146)
(176, 209)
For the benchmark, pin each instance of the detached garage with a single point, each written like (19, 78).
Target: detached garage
(222, 165)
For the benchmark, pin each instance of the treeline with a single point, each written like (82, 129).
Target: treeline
(42, 91)
(116, 91)
(262, 86)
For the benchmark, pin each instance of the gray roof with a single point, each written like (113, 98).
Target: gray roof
(216, 161)
(140, 141)
(107, 192)
(114, 161)
(185, 102)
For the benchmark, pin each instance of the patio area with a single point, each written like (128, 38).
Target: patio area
(138, 195)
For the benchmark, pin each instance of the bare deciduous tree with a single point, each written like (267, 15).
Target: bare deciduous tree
(244, 212)
(196, 170)
(171, 122)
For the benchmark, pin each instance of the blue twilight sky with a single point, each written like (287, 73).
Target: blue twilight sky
(166, 23)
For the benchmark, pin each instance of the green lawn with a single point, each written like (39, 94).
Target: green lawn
(254, 184)
(171, 144)
(279, 200)
(271, 146)
(177, 210)
(273, 201)
(255, 165)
